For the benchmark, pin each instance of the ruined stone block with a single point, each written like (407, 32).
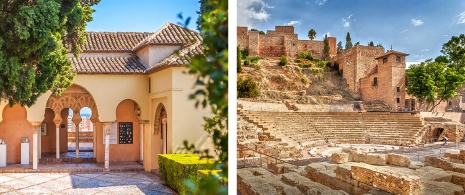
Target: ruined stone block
(387, 180)
(398, 160)
(343, 173)
(375, 159)
(439, 162)
(340, 158)
(307, 185)
(435, 187)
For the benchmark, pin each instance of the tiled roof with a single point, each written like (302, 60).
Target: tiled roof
(181, 59)
(113, 41)
(108, 65)
(393, 52)
(170, 34)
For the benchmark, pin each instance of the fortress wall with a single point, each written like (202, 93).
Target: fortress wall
(242, 37)
(254, 43)
(358, 62)
(290, 45)
(271, 45)
(314, 47)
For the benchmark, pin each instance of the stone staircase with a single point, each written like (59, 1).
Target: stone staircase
(315, 128)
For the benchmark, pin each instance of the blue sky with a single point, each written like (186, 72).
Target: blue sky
(416, 27)
(141, 15)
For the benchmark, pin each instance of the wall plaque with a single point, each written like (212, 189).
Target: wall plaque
(125, 133)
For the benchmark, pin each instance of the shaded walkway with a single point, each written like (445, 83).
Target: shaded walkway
(72, 167)
(82, 183)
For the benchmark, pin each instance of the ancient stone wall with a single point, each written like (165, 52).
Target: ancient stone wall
(281, 41)
(314, 47)
(242, 37)
(254, 43)
(356, 63)
(271, 45)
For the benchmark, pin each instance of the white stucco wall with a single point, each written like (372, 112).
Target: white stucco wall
(152, 54)
(109, 90)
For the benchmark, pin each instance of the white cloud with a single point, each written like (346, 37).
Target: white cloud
(251, 11)
(292, 23)
(346, 21)
(320, 2)
(416, 22)
(424, 50)
(461, 18)
(404, 31)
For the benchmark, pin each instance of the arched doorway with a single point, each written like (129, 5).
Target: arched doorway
(161, 127)
(436, 135)
(73, 100)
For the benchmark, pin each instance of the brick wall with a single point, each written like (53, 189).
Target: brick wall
(356, 63)
(254, 43)
(281, 41)
(242, 37)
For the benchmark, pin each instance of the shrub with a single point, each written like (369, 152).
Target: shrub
(257, 67)
(175, 168)
(245, 53)
(247, 88)
(283, 61)
(305, 55)
(297, 60)
(254, 59)
(317, 70)
(239, 58)
(305, 65)
(246, 62)
(321, 64)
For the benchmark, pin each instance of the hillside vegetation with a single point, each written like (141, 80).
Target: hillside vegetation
(303, 80)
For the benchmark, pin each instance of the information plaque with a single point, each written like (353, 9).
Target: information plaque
(125, 133)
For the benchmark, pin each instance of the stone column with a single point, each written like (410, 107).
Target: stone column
(106, 130)
(40, 142)
(57, 120)
(165, 136)
(35, 144)
(142, 127)
(77, 120)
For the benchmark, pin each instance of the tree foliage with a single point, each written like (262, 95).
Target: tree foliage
(371, 44)
(259, 31)
(311, 34)
(34, 41)
(326, 47)
(239, 59)
(339, 47)
(211, 71)
(348, 41)
(433, 82)
(247, 88)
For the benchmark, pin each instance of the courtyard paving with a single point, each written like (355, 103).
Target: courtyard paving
(82, 183)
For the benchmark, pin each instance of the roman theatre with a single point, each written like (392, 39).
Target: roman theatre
(136, 90)
(316, 143)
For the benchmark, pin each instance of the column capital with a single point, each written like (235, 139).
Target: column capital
(144, 121)
(35, 123)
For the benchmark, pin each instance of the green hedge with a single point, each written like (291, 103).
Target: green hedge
(174, 168)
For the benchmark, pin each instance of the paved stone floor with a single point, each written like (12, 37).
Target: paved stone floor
(82, 183)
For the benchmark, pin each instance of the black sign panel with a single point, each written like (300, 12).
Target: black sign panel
(125, 133)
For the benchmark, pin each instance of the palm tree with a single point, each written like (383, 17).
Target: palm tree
(311, 34)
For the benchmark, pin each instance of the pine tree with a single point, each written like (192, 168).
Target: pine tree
(348, 41)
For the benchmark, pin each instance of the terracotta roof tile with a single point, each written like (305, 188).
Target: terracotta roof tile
(108, 65)
(170, 34)
(181, 59)
(113, 41)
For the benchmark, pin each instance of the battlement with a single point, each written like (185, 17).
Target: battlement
(280, 41)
